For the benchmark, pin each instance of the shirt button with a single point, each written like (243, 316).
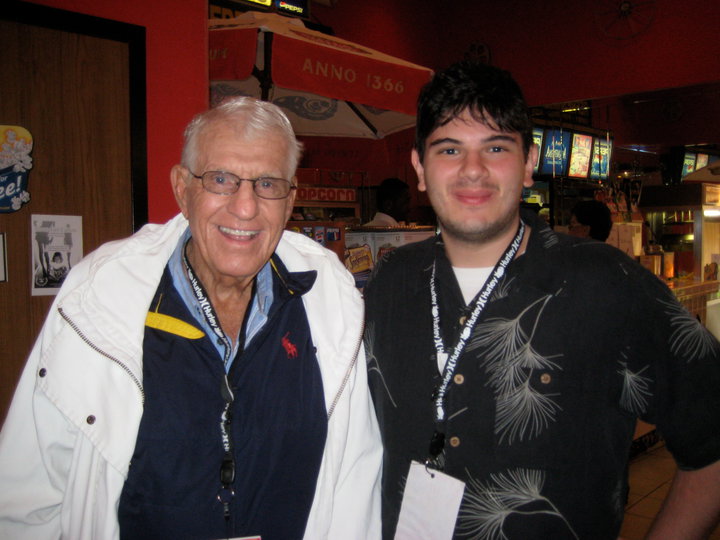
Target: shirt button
(545, 378)
(459, 378)
(454, 442)
(42, 372)
(90, 419)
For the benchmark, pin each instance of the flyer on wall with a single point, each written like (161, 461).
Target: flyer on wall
(56, 248)
(3, 259)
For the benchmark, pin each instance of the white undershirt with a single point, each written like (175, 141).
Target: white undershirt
(471, 280)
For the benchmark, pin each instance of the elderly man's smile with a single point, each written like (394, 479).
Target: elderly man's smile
(238, 233)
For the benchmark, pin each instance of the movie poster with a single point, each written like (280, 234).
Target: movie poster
(555, 152)
(688, 164)
(580, 155)
(600, 166)
(538, 140)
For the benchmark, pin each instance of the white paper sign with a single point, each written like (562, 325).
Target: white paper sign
(430, 505)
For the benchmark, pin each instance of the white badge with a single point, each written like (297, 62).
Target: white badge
(441, 361)
(430, 505)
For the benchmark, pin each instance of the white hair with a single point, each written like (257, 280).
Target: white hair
(250, 117)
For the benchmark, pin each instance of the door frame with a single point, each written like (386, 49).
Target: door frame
(130, 34)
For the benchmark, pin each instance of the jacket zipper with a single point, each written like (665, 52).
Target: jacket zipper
(347, 373)
(103, 353)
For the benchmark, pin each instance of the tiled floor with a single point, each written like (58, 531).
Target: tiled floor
(650, 475)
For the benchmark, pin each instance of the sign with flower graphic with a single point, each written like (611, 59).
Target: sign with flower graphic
(15, 163)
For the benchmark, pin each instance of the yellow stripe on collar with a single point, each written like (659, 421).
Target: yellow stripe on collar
(279, 275)
(171, 325)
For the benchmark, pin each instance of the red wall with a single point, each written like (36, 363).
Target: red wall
(555, 48)
(177, 80)
(558, 51)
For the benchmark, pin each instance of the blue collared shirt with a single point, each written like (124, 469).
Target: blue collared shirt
(262, 300)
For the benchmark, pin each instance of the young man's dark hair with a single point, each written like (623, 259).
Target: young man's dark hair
(489, 93)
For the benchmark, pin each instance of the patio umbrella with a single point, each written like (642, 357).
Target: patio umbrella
(327, 86)
(709, 173)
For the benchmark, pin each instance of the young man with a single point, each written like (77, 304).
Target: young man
(200, 379)
(508, 364)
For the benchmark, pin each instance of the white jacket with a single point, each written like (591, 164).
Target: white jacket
(70, 433)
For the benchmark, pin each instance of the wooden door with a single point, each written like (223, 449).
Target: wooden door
(76, 94)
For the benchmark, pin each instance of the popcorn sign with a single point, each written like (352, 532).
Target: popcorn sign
(15, 163)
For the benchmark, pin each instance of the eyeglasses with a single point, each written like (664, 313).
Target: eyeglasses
(225, 183)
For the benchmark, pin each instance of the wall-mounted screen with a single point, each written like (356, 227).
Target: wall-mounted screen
(688, 163)
(600, 165)
(580, 154)
(538, 140)
(556, 150)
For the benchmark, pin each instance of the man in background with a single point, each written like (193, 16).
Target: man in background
(200, 379)
(509, 364)
(393, 204)
(590, 219)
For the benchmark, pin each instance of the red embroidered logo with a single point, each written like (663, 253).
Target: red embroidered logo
(290, 349)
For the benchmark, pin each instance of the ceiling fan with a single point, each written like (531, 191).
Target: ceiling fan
(624, 19)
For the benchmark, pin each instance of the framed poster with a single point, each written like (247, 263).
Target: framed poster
(580, 155)
(600, 165)
(556, 149)
(56, 248)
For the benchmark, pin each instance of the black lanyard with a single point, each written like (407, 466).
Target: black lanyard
(437, 442)
(227, 468)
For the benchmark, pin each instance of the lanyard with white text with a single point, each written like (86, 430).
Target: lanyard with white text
(437, 442)
(207, 309)
(227, 468)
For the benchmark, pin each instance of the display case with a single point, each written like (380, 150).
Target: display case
(364, 246)
(684, 219)
(326, 203)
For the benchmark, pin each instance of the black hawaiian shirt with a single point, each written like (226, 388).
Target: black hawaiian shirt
(577, 342)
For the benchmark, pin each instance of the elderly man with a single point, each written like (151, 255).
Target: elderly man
(204, 378)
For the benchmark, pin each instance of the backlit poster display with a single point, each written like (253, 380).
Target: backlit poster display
(538, 140)
(556, 149)
(580, 154)
(600, 165)
(702, 161)
(224, 9)
(298, 8)
(688, 163)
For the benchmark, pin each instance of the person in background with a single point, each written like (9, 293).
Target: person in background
(203, 378)
(590, 219)
(393, 204)
(509, 364)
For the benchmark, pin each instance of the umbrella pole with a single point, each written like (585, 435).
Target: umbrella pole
(361, 116)
(264, 75)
